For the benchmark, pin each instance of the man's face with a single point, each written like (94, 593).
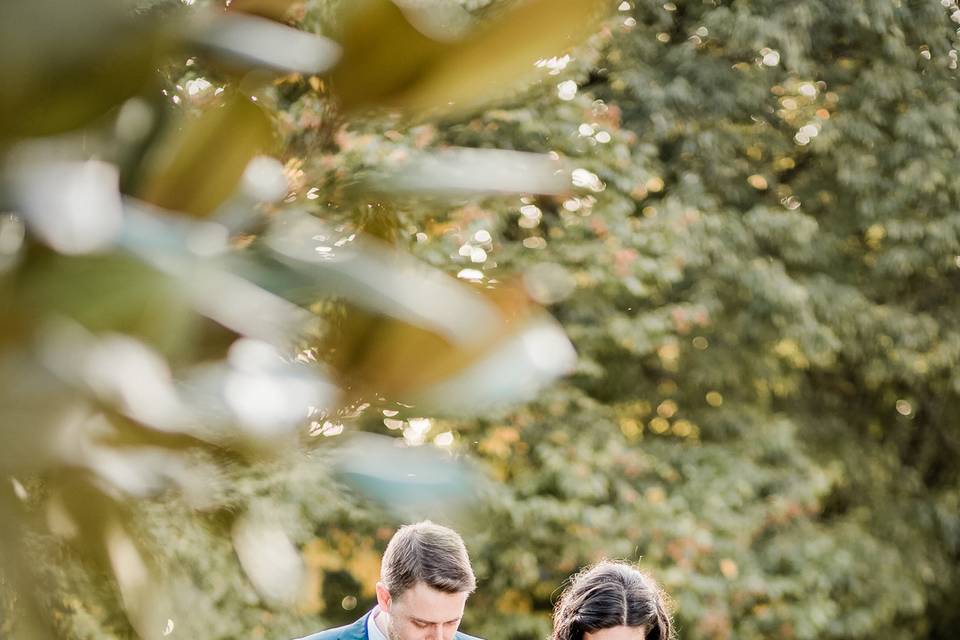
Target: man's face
(422, 613)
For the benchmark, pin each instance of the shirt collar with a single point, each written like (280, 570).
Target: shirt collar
(373, 631)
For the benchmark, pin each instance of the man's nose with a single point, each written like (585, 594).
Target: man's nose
(436, 632)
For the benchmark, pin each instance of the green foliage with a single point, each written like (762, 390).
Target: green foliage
(762, 308)
(757, 268)
(764, 297)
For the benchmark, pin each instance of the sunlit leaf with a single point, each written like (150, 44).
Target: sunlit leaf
(199, 163)
(512, 371)
(382, 54)
(522, 351)
(499, 56)
(387, 61)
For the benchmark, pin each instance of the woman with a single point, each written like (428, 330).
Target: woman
(612, 601)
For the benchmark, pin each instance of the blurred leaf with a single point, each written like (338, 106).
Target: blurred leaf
(33, 396)
(74, 207)
(411, 326)
(258, 392)
(198, 164)
(268, 558)
(109, 292)
(514, 370)
(250, 41)
(144, 597)
(305, 262)
(17, 575)
(462, 171)
(192, 253)
(118, 371)
(273, 9)
(62, 63)
(382, 54)
(437, 19)
(388, 62)
(499, 56)
(412, 482)
(515, 356)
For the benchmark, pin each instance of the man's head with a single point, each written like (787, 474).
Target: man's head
(425, 579)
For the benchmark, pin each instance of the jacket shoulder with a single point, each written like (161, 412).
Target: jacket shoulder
(355, 631)
(463, 636)
(329, 634)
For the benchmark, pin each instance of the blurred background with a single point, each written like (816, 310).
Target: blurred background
(669, 282)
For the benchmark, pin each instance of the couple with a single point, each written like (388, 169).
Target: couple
(426, 577)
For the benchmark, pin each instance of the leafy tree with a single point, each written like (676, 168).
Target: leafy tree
(755, 267)
(764, 408)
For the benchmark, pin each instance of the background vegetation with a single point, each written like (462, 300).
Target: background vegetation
(757, 265)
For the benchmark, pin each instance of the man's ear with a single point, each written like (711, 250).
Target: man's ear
(383, 597)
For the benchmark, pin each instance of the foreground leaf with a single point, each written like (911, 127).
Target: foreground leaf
(63, 64)
(388, 62)
(198, 165)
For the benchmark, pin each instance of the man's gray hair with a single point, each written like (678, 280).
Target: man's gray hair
(429, 553)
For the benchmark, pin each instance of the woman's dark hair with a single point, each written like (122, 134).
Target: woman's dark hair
(611, 594)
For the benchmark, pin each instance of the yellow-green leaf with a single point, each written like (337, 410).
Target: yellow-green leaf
(199, 164)
(497, 57)
(388, 62)
(382, 54)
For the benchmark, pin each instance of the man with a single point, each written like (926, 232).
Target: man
(425, 579)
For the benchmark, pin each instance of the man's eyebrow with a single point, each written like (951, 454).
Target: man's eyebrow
(422, 621)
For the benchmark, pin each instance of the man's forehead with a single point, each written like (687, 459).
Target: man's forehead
(432, 605)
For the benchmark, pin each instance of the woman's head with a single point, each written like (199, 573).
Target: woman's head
(612, 601)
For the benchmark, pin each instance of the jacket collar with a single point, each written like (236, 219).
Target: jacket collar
(358, 630)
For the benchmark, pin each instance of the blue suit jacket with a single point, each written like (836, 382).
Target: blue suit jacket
(358, 631)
